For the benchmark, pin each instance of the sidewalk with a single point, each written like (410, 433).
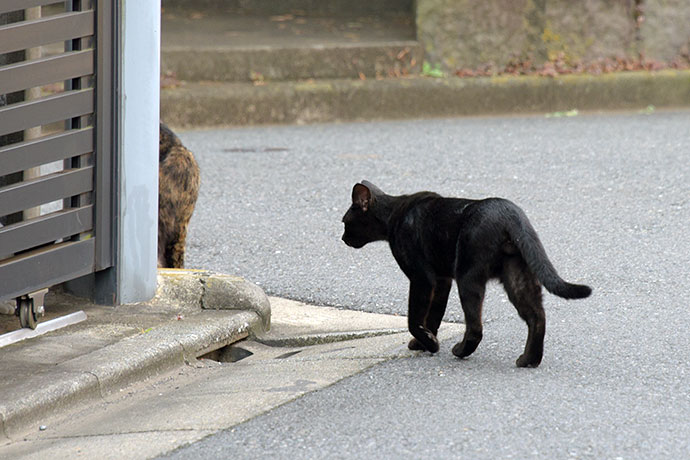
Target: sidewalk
(49, 380)
(307, 349)
(193, 313)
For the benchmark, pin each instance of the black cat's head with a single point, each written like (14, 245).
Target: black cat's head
(362, 223)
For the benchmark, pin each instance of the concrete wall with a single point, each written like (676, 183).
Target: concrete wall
(470, 34)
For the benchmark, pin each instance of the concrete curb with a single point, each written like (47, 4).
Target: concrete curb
(158, 349)
(221, 104)
(211, 291)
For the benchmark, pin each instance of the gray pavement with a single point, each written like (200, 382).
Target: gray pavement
(595, 186)
(608, 194)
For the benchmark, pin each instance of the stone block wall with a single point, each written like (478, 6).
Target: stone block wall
(665, 31)
(471, 33)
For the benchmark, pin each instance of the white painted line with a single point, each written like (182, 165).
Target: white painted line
(42, 328)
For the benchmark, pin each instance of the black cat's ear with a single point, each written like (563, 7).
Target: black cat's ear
(374, 190)
(361, 196)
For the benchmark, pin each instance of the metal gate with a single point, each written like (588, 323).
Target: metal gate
(56, 149)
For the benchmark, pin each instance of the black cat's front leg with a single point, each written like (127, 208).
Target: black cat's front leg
(418, 309)
(439, 300)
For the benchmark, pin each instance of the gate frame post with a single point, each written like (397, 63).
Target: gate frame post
(137, 179)
(127, 268)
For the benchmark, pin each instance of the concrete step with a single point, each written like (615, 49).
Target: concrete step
(371, 60)
(310, 7)
(220, 46)
(205, 104)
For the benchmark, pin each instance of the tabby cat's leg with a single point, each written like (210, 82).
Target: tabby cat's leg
(418, 308)
(176, 254)
(524, 291)
(471, 289)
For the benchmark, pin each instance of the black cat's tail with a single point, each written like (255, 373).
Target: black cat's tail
(525, 238)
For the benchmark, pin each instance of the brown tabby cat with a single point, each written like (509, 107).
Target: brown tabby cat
(178, 188)
(436, 239)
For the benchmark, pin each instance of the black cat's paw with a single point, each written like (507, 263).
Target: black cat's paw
(429, 342)
(415, 345)
(528, 361)
(464, 349)
(433, 346)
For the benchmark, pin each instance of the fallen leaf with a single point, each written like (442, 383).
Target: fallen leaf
(282, 18)
(568, 113)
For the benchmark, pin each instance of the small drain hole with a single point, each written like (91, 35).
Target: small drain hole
(227, 354)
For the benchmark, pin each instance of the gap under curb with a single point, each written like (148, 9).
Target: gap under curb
(306, 340)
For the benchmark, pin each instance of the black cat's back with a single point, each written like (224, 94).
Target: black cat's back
(424, 231)
(431, 232)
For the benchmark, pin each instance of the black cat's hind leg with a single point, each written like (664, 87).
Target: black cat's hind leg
(418, 308)
(524, 291)
(471, 289)
(439, 300)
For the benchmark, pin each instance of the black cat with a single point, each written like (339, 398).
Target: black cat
(436, 239)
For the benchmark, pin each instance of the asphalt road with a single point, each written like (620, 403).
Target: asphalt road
(609, 196)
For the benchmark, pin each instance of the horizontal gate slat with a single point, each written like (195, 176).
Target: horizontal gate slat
(45, 189)
(51, 69)
(14, 5)
(20, 116)
(46, 267)
(36, 152)
(45, 229)
(50, 29)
